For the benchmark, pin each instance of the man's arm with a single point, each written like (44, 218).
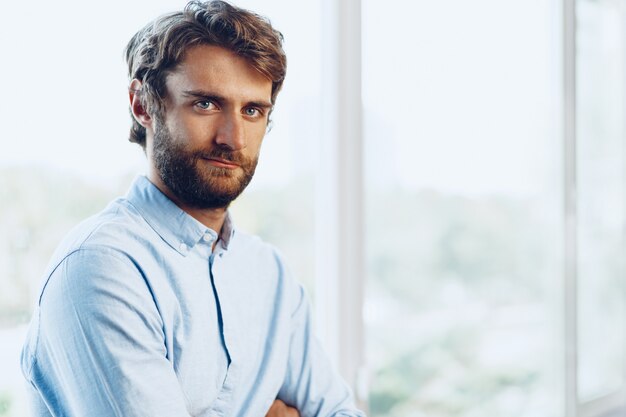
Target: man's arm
(100, 347)
(311, 383)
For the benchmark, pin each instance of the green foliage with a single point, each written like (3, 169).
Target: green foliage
(491, 244)
(442, 378)
(441, 270)
(5, 403)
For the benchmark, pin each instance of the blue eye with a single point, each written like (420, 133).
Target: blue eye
(251, 111)
(205, 104)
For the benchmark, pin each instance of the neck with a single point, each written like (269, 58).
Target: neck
(211, 218)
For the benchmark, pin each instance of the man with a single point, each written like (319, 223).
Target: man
(158, 306)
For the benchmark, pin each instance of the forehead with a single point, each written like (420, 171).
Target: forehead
(219, 71)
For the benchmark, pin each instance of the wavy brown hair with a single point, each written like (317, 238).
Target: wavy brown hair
(160, 46)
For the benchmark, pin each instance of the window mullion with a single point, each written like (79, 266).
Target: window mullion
(570, 212)
(340, 273)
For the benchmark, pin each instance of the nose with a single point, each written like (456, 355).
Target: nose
(231, 132)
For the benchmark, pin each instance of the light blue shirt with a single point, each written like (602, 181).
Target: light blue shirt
(139, 316)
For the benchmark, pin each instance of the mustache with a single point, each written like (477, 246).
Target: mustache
(224, 154)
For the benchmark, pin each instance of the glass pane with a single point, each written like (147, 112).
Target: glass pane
(601, 188)
(464, 211)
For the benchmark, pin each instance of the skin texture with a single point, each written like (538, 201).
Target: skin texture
(216, 104)
(215, 118)
(280, 409)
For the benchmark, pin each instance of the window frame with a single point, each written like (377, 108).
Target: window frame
(339, 265)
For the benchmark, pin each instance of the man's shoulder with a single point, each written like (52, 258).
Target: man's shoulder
(106, 226)
(115, 228)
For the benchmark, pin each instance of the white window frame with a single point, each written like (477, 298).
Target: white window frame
(570, 374)
(340, 271)
(615, 401)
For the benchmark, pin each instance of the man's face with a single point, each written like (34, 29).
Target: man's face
(207, 141)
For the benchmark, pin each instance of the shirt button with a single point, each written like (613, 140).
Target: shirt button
(207, 237)
(183, 247)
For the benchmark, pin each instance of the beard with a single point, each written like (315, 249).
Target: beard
(192, 179)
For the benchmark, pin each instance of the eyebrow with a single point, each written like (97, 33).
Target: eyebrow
(207, 95)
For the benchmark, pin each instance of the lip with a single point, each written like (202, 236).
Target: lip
(221, 163)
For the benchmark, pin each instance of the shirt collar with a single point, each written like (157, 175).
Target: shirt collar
(177, 228)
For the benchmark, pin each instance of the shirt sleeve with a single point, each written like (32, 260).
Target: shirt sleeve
(312, 385)
(100, 347)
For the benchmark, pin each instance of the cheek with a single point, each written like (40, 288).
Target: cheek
(190, 132)
(255, 137)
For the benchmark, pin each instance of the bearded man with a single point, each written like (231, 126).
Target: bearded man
(159, 306)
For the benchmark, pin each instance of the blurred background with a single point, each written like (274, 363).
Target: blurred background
(488, 186)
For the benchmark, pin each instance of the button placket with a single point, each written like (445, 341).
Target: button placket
(223, 403)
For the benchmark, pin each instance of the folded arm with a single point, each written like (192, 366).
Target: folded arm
(312, 385)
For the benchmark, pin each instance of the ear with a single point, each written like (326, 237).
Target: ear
(136, 106)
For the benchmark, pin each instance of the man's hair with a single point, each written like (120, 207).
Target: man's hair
(160, 46)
